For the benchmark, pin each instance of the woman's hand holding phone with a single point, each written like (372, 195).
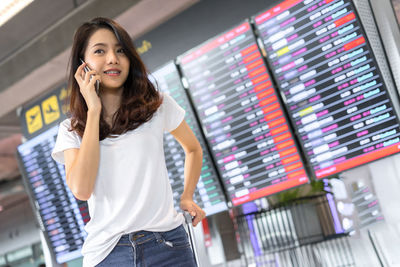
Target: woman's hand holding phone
(86, 82)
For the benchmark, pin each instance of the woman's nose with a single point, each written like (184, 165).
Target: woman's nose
(112, 58)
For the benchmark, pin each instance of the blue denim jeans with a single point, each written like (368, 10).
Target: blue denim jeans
(147, 249)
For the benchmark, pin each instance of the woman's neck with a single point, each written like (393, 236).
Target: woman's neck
(111, 101)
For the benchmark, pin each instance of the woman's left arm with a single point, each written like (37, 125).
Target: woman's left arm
(193, 162)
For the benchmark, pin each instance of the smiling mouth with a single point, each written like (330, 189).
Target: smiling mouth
(112, 72)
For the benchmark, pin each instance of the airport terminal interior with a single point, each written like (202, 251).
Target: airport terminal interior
(295, 104)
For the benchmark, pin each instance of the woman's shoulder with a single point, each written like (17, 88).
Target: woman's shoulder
(167, 104)
(166, 99)
(65, 127)
(66, 123)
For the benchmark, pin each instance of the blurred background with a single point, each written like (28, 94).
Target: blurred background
(295, 103)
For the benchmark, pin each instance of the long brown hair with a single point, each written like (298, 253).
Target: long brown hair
(139, 100)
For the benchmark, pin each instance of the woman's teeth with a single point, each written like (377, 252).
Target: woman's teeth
(112, 72)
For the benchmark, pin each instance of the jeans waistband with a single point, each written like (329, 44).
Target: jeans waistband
(140, 237)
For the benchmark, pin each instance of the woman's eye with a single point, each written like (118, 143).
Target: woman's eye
(98, 51)
(121, 50)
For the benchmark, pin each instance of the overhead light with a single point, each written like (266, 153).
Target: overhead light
(9, 8)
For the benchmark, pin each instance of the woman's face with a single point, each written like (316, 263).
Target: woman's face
(106, 56)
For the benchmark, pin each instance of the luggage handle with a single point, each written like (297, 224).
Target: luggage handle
(189, 223)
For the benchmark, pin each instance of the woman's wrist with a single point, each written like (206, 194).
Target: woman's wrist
(186, 197)
(94, 112)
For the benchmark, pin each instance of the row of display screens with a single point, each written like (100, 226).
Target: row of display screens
(316, 96)
(319, 79)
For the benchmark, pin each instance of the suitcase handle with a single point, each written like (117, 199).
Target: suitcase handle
(188, 217)
(189, 223)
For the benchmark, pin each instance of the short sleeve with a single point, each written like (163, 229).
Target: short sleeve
(65, 140)
(173, 113)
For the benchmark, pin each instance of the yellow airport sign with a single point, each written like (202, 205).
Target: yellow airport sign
(33, 119)
(51, 110)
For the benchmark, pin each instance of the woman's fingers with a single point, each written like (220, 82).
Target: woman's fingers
(83, 77)
(78, 74)
(88, 74)
(199, 215)
(86, 80)
(94, 79)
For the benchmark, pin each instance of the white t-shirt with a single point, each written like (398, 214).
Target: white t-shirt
(132, 190)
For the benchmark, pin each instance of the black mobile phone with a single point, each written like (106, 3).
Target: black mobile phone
(86, 68)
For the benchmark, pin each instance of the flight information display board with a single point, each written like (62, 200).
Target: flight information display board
(242, 117)
(209, 195)
(61, 216)
(326, 70)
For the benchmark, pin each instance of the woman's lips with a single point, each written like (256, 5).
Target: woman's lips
(112, 72)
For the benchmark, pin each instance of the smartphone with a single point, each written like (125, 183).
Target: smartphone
(86, 68)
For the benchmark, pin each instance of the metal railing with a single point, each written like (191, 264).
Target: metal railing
(301, 233)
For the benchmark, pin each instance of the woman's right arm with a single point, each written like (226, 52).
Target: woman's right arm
(81, 165)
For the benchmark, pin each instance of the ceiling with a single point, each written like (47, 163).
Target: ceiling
(34, 52)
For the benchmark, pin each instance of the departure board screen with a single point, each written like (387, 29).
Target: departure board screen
(324, 66)
(209, 195)
(242, 117)
(62, 216)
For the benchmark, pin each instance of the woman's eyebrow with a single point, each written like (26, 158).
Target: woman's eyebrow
(99, 44)
(103, 44)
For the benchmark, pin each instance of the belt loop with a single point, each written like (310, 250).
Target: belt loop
(131, 237)
(158, 237)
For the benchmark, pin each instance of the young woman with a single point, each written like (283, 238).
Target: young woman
(112, 148)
